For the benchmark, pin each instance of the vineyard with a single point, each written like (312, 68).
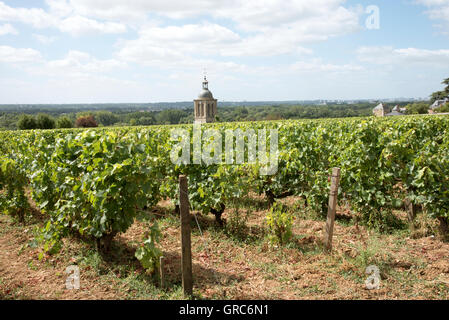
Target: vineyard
(94, 184)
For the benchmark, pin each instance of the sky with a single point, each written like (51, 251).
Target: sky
(116, 51)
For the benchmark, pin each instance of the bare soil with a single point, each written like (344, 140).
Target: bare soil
(229, 264)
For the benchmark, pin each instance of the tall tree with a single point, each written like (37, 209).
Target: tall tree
(26, 122)
(44, 121)
(64, 122)
(440, 95)
(106, 118)
(446, 82)
(86, 122)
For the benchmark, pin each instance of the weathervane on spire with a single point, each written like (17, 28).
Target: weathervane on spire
(205, 82)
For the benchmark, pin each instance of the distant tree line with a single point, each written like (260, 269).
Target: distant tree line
(11, 120)
(45, 121)
(44, 116)
(417, 108)
(42, 121)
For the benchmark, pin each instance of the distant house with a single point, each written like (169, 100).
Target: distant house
(395, 112)
(438, 103)
(399, 109)
(380, 110)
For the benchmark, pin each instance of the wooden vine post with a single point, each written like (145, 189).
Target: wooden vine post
(329, 231)
(411, 213)
(162, 271)
(186, 250)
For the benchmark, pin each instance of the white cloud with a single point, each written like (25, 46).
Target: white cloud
(60, 17)
(78, 25)
(7, 29)
(44, 39)
(261, 28)
(18, 55)
(254, 15)
(126, 10)
(433, 2)
(74, 64)
(156, 45)
(77, 76)
(77, 64)
(438, 10)
(59, 8)
(308, 19)
(36, 17)
(297, 20)
(403, 57)
(256, 28)
(193, 33)
(316, 65)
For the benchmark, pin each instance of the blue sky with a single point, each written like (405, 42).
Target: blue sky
(98, 51)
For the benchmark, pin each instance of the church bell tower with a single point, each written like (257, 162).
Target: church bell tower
(205, 107)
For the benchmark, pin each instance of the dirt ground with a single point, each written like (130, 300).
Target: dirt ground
(235, 262)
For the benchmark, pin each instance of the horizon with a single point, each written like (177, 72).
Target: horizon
(89, 52)
(346, 101)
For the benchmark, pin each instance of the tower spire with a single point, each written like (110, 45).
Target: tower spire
(205, 82)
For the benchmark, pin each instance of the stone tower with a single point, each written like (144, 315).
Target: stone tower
(205, 107)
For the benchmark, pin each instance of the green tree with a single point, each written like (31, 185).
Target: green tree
(440, 95)
(443, 108)
(273, 116)
(86, 122)
(106, 118)
(64, 122)
(146, 121)
(170, 116)
(44, 121)
(26, 122)
(446, 82)
(417, 108)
